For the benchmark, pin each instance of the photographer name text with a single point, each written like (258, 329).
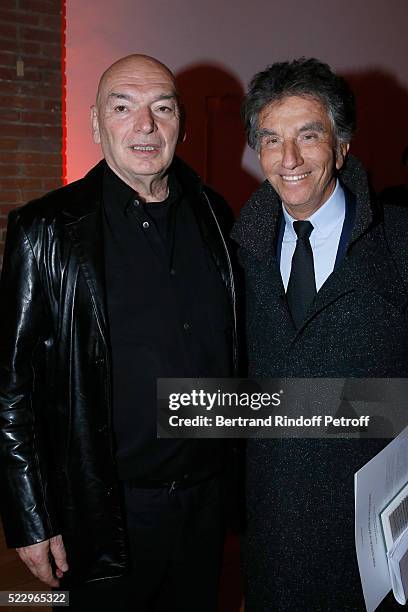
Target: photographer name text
(277, 421)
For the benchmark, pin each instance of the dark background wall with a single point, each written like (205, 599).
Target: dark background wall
(215, 47)
(30, 102)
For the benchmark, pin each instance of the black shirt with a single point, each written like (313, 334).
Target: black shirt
(168, 315)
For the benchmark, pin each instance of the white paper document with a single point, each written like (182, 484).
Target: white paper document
(375, 485)
(394, 518)
(398, 564)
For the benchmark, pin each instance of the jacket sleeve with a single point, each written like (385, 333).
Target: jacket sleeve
(25, 503)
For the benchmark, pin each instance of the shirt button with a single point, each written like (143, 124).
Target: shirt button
(172, 272)
(145, 224)
(186, 326)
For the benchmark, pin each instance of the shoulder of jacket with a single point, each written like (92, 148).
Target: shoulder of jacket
(46, 209)
(396, 223)
(48, 205)
(220, 208)
(256, 214)
(189, 178)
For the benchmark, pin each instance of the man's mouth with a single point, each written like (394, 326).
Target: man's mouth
(146, 148)
(293, 178)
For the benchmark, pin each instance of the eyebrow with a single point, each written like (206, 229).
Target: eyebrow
(130, 97)
(266, 132)
(316, 126)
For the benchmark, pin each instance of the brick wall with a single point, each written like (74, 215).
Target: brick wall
(31, 163)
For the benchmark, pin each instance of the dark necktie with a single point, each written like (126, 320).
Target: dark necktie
(302, 284)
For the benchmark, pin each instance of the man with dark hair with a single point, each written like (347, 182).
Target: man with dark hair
(326, 297)
(107, 284)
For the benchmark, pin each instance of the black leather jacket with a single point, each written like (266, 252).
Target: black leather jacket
(57, 461)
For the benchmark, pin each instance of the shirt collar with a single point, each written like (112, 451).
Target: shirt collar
(115, 190)
(325, 219)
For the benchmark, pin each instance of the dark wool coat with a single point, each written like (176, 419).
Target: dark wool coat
(299, 547)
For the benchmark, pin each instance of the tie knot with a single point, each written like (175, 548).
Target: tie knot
(303, 229)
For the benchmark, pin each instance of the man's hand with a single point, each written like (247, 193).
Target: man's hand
(37, 559)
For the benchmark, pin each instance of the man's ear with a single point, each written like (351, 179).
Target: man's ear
(95, 125)
(341, 154)
(182, 128)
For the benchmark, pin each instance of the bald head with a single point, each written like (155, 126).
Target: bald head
(136, 120)
(142, 68)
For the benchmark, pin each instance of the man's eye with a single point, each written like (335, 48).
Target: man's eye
(310, 136)
(270, 141)
(164, 109)
(121, 108)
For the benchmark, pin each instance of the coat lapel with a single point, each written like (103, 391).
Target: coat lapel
(355, 271)
(367, 266)
(256, 231)
(83, 222)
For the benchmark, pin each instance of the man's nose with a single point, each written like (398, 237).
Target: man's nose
(144, 121)
(291, 155)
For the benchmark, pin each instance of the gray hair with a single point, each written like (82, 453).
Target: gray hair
(301, 77)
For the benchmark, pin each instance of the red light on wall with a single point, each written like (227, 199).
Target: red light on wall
(64, 90)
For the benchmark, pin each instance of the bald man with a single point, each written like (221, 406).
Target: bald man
(108, 284)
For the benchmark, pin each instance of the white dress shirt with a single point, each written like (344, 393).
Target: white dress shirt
(327, 222)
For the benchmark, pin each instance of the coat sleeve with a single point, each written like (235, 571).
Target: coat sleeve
(25, 503)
